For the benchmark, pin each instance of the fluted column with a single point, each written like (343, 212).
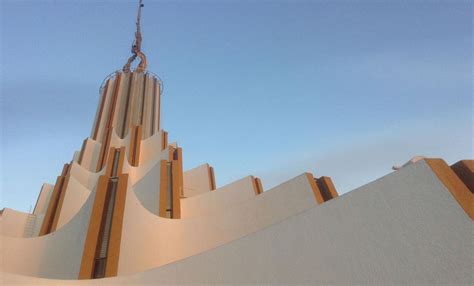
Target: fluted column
(128, 99)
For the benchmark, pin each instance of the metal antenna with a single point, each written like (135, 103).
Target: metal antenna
(137, 45)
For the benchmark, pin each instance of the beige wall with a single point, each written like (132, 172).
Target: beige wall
(12, 223)
(74, 198)
(147, 189)
(210, 219)
(168, 240)
(43, 199)
(405, 228)
(56, 255)
(219, 201)
(91, 155)
(151, 148)
(197, 181)
(83, 176)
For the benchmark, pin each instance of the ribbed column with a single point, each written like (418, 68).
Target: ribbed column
(128, 99)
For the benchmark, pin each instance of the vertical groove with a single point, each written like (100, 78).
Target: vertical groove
(257, 184)
(157, 106)
(176, 182)
(465, 171)
(104, 233)
(127, 103)
(153, 109)
(110, 118)
(328, 191)
(170, 190)
(113, 249)
(116, 163)
(81, 155)
(324, 191)
(212, 180)
(52, 208)
(101, 108)
(134, 154)
(90, 244)
(103, 150)
(62, 194)
(39, 196)
(142, 108)
(108, 127)
(162, 205)
(164, 140)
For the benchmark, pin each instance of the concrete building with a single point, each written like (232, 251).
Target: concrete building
(125, 210)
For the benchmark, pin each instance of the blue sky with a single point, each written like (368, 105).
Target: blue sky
(271, 88)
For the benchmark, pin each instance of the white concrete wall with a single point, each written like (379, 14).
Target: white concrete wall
(12, 223)
(18, 224)
(147, 189)
(150, 241)
(403, 229)
(43, 199)
(150, 148)
(56, 255)
(220, 200)
(59, 254)
(138, 173)
(91, 155)
(85, 177)
(74, 198)
(196, 181)
(37, 224)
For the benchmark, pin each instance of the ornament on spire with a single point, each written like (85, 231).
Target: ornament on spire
(136, 46)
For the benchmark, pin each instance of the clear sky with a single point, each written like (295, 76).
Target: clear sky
(269, 88)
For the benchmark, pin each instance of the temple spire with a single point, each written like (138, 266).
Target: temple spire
(137, 45)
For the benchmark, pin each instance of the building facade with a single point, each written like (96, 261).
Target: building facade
(125, 210)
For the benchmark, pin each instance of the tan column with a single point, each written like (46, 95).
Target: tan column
(164, 140)
(156, 107)
(101, 110)
(112, 107)
(55, 203)
(171, 184)
(135, 143)
(454, 185)
(104, 148)
(323, 188)
(465, 171)
(177, 184)
(116, 229)
(164, 186)
(81, 154)
(212, 179)
(128, 109)
(257, 186)
(326, 186)
(90, 245)
(62, 194)
(102, 246)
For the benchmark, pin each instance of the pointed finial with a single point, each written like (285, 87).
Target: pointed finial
(137, 45)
